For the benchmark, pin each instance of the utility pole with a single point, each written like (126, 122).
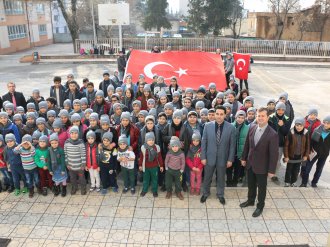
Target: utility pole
(93, 18)
(120, 35)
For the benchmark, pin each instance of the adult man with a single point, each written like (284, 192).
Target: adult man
(73, 92)
(260, 158)
(106, 82)
(218, 152)
(229, 66)
(121, 62)
(14, 97)
(57, 91)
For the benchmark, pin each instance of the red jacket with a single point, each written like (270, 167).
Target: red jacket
(2, 160)
(158, 161)
(134, 135)
(91, 156)
(196, 162)
(316, 124)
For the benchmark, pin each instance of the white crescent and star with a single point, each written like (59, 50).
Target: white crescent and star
(241, 60)
(148, 69)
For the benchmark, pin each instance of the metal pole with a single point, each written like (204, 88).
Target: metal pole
(120, 38)
(145, 41)
(94, 30)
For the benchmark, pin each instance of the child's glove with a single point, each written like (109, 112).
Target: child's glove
(45, 168)
(111, 171)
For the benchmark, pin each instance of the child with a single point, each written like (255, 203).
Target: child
(251, 115)
(151, 103)
(187, 103)
(21, 111)
(91, 161)
(150, 160)
(271, 106)
(76, 121)
(27, 152)
(43, 107)
(169, 109)
(230, 118)
(136, 109)
(41, 159)
(84, 104)
(41, 127)
(199, 106)
(30, 125)
(177, 104)
(7, 177)
(77, 108)
(174, 165)
(126, 158)
(9, 108)
(67, 105)
(141, 119)
(51, 115)
(18, 121)
(203, 116)
(162, 100)
(189, 92)
(62, 134)
(211, 115)
(107, 164)
(296, 149)
(193, 160)
(56, 165)
(200, 96)
(144, 98)
(6, 126)
(75, 160)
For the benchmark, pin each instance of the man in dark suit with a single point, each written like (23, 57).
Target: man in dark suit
(260, 158)
(14, 97)
(218, 152)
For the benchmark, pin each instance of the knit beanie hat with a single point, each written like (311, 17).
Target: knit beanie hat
(119, 89)
(125, 115)
(146, 88)
(141, 76)
(35, 90)
(27, 138)
(148, 118)
(107, 135)
(115, 106)
(192, 113)
(74, 129)
(77, 102)
(189, 90)
(240, 113)
(57, 123)
(201, 90)
(53, 137)
(212, 110)
(20, 109)
(136, 102)
(327, 119)
(84, 101)
(9, 106)
(280, 105)
(75, 117)
(51, 113)
(176, 94)
(220, 95)
(204, 112)
(67, 102)
(43, 138)
(123, 139)
(153, 112)
(106, 72)
(175, 142)
(169, 105)
(271, 101)
(4, 114)
(43, 104)
(228, 105)
(88, 110)
(64, 113)
(100, 93)
(94, 116)
(199, 105)
(91, 133)
(10, 137)
(105, 120)
(184, 111)
(31, 115)
(40, 120)
(36, 135)
(284, 95)
(150, 136)
(300, 121)
(109, 88)
(196, 136)
(151, 102)
(177, 114)
(251, 109)
(249, 98)
(17, 116)
(313, 111)
(31, 106)
(162, 93)
(143, 113)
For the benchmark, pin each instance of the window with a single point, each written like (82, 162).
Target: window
(13, 7)
(40, 8)
(16, 32)
(55, 17)
(65, 29)
(57, 30)
(42, 30)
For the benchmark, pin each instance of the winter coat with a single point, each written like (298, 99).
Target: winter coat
(91, 156)
(10, 128)
(291, 143)
(283, 130)
(52, 93)
(240, 138)
(196, 161)
(320, 145)
(41, 158)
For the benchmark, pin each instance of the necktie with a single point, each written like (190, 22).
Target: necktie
(218, 134)
(14, 101)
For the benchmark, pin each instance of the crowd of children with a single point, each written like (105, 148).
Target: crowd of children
(150, 133)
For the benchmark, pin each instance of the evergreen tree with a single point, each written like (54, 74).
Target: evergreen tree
(155, 16)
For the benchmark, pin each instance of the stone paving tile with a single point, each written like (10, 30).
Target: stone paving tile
(17, 242)
(160, 224)
(295, 226)
(103, 223)
(198, 226)
(60, 233)
(320, 239)
(30, 218)
(217, 226)
(21, 231)
(276, 226)
(283, 238)
(237, 226)
(200, 239)
(54, 243)
(118, 236)
(159, 237)
(34, 242)
(48, 220)
(241, 239)
(261, 238)
(180, 238)
(98, 235)
(78, 234)
(222, 239)
(122, 223)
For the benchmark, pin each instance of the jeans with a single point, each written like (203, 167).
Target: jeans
(319, 167)
(32, 176)
(7, 176)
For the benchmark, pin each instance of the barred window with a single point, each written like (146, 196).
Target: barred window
(16, 32)
(13, 7)
(42, 30)
(40, 8)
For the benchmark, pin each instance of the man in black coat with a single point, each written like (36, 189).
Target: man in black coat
(260, 158)
(14, 97)
(57, 91)
(121, 61)
(73, 92)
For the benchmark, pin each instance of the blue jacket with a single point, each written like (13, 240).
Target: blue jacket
(12, 158)
(10, 128)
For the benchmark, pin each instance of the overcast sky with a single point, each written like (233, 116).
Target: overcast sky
(251, 5)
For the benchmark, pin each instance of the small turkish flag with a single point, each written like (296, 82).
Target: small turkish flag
(192, 69)
(242, 64)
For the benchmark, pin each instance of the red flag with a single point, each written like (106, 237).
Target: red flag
(242, 64)
(192, 69)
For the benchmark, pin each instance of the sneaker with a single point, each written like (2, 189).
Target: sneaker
(92, 189)
(44, 191)
(287, 185)
(24, 190)
(17, 192)
(125, 190)
(155, 194)
(168, 195)
(293, 185)
(11, 189)
(98, 189)
(115, 189)
(133, 191)
(143, 194)
(104, 191)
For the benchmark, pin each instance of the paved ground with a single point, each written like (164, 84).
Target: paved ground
(292, 215)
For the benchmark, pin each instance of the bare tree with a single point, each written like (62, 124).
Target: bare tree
(323, 14)
(281, 9)
(236, 18)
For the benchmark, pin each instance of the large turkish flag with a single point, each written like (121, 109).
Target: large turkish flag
(192, 69)
(242, 64)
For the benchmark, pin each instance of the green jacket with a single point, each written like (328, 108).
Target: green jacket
(240, 138)
(41, 157)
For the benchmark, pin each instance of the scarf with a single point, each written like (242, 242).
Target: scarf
(279, 117)
(177, 127)
(54, 153)
(298, 132)
(152, 153)
(192, 151)
(175, 153)
(123, 150)
(125, 131)
(74, 142)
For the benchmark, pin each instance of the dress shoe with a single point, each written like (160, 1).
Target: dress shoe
(257, 212)
(203, 199)
(314, 185)
(179, 195)
(222, 200)
(168, 195)
(303, 185)
(246, 204)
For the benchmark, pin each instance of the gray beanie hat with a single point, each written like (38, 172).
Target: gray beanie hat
(240, 113)
(123, 139)
(313, 111)
(75, 117)
(153, 112)
(40, 120)
(228, 105)
(196, 136)
(9, 106)
(17, 116)
(189, 90)
(249, 98)
(20, 109)
(184, 111)
(125, 115)
(10, 137)
(169, 105)
(106, 72)
(149, 117)
(43, 138)
(77, 102)
(64, 113)
(212, 85)
(107, 135)
(90, 133)
(204, 111)
(109, 88)
(327, 119)
(51, 113)
(67, 102)
(177, 114)
(280, 105)
(161, 94)
(147, 88)
(192, 113)
(57, 123)
(30, 106)
(4, 114)
(35, 90)
(284, 95)
(199, 104)
(119, 89)
(299, 120)
(100, 93)
(144, 113)
(88, 110)
(27, 138)
(105, 119)
(136, 102)
(149, 136)
(251, 109)
(151, 101)
(1, 138)
(175, 142)
(43, 104)
(94, 116)
(31, 115)
(53, 137)
(84, 101)
(74, 129)
(271, 101)
(115, 106)
(36, 135)
(220, 95)
(176, 94)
